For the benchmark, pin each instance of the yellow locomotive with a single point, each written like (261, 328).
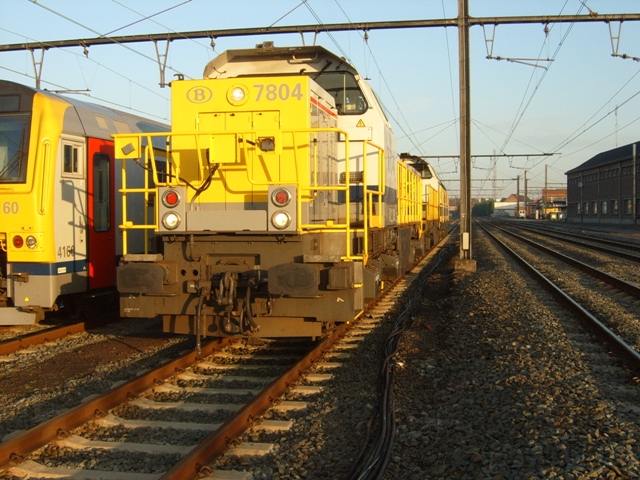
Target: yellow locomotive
(58, 212)
(283, 205)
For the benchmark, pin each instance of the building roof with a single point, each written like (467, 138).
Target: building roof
(606, 158)
(513, 198)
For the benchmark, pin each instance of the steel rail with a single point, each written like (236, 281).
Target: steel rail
(40, 337)
(563, 236)
(194, 464)
(212, 447)
(612, 280)
(618, 345)
(17, 447)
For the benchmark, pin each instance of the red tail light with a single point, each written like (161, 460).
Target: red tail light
(18, 241)
(281, 197)
(170, 198)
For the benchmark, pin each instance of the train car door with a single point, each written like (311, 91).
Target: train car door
(101, 214)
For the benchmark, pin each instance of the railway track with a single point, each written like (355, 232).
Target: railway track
(601, 242)
(505, 382)
(205, 399)
(23, 341)
(608, 304)
(146, 398)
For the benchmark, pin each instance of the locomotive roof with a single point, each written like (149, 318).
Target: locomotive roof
(266, 59)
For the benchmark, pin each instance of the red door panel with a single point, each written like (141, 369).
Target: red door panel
(101, 215)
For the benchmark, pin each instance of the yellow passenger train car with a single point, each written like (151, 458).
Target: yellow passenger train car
(59, 218)
(283, 206)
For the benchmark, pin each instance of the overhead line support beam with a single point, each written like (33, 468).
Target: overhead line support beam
(332, 27)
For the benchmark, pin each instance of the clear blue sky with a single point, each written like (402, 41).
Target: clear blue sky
(583, 103)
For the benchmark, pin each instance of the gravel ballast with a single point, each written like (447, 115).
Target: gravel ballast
(494, 381)
(499, 383)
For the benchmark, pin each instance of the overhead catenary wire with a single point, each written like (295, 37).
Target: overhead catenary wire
(365, 37)
(446, 22)
(524, 106)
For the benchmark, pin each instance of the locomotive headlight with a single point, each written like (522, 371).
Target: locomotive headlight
(32, 242)
(237, 95)
(281, 220)
(170, 198)
(281, 197)
(171, 220)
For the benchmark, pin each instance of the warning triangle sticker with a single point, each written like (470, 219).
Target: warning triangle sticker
(360, 123)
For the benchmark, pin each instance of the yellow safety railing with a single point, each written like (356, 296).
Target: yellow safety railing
(128, 147)
(409, 196)
(146, 158)
(433, 204)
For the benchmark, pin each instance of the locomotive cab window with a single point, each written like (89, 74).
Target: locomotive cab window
(14, 144)
(344, 88)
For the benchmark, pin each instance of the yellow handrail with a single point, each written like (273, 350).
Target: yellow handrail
(305, 192)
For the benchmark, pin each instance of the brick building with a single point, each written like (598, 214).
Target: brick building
(604, 189)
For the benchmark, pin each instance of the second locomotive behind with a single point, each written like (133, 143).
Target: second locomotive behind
(283, 206)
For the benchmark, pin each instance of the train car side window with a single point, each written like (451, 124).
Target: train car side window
(71, 160)
(101, 189)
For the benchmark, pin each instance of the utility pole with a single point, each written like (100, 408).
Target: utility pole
(525, 195)
(545, 196)
(634, 162)
(518, 198)
(465, 261)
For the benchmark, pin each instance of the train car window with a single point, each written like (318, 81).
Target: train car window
(70, 159)
(101, 193)
(344, 88)
(14, 142)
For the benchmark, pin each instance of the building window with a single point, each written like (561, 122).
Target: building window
(628, 206)
(614, 207)
(603, 207)
(594, 208)
(585, 207)
(578, 209)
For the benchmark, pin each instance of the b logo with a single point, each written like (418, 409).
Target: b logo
(199, 95)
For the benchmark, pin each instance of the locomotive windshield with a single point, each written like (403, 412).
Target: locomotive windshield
(344, 88)
(14, 139)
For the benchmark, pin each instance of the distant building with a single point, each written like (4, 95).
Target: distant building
(506, 207)
(604, 189)
(553, 204)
